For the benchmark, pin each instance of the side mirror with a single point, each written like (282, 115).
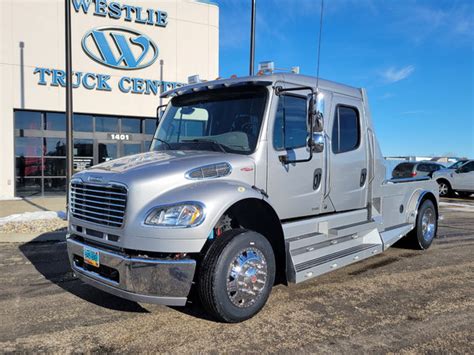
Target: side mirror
(315, 113)
(316, 142)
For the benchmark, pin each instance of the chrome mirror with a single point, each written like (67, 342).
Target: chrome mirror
(317, 142)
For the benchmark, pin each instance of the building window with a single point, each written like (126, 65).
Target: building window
(290, 130)
(40, 146)
(346, 130)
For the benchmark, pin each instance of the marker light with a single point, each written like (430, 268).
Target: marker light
(187, 214)
(194, 79)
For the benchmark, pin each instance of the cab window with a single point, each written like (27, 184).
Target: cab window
(346, 130)
(290, 130)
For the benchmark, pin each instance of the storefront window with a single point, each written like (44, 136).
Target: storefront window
(83, 123)
(131, 125)
(40, 146)
(150, 126)
(55, 147)
(28, 146)
(106, 124)
(55, 122)
(27, 120)
(83, 147)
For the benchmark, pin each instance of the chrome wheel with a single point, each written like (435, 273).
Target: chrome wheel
(428, 224)
(247, 277)
(443, 189)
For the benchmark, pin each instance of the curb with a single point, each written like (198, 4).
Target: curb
(33, 238)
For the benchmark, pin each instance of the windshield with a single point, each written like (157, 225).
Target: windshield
(226, 120)
(457, 164)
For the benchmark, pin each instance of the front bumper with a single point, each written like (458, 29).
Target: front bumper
(147, 280)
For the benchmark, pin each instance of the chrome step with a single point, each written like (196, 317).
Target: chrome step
(305, 240)
(352, 229)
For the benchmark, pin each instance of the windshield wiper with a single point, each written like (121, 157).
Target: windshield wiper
(202, 140)
(164, 142)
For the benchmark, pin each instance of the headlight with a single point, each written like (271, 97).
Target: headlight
(181, 215)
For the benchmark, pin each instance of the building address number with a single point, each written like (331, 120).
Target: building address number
(120, 136)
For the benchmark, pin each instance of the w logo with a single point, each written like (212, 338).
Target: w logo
(119, 48)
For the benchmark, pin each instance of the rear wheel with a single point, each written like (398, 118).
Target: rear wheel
(426, 226)
(444, 188)
(237, 275)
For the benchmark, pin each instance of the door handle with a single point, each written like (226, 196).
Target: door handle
(317, 178)
(363, 177)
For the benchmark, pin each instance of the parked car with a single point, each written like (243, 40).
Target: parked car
(415, 169)
(457, 164)
(459, 180)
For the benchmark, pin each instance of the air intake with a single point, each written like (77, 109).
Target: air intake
(211, 171)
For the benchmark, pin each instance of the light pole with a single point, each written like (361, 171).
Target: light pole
(69, 108)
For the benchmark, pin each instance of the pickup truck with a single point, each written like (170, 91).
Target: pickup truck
(249, 182)
(459, 180)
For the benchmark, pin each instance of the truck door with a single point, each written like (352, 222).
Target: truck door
(348, 154)
(295, 189)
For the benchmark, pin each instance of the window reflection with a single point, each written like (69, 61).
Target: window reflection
(55, 147)
(55, 121)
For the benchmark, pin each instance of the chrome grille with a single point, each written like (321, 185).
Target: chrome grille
(98, 204)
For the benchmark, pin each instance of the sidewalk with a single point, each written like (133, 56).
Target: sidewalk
(9, 207)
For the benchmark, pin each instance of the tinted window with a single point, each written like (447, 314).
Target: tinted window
(83, 123)
(150, 126)
(106, 124)
(346, 130)
(54, 167)
(55, 121)
(423, 167)
(28, 146)
(131, 125)
(403, 170)
(55, 147)
(290, 123)
(54, 186)
(28, 166)
(83, 147)
(27, 120)
(467, 168)
(129, 148)
(28, 187)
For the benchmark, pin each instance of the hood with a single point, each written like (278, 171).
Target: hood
(166, 164)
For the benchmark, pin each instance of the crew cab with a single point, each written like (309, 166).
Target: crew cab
(249, 182)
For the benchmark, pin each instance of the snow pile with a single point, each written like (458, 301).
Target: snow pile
(32, 216)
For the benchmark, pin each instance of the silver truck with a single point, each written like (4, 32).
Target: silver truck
(249, 182)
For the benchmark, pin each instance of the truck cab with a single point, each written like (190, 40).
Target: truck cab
(248, 182)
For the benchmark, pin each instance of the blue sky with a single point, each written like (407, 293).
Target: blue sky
(416, 59)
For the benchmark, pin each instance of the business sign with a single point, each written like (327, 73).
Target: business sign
(119, 48)
(114, 47)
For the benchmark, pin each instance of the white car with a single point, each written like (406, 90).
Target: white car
(460, 180)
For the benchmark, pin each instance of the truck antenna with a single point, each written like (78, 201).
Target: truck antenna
(319, 44)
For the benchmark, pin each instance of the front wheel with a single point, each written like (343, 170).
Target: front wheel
(444, 188)
(426, 227)
(237, 275)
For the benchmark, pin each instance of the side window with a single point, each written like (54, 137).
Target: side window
(424, 167)
(346, 130)
(467, 168)
(290, 123)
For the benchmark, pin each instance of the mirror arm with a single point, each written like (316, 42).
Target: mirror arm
(158, 113)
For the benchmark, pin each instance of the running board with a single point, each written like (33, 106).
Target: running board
(352, 229)
(310, 255)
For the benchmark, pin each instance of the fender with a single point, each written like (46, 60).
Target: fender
(415, 202)
(215, 195)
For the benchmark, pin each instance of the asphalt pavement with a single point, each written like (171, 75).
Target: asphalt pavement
(400, 301)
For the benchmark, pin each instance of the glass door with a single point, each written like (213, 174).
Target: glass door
(106, 150)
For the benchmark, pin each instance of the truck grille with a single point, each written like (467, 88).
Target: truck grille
(98, 204)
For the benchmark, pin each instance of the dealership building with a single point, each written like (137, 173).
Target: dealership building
(124, 54)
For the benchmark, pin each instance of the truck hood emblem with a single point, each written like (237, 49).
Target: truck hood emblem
(93, 178)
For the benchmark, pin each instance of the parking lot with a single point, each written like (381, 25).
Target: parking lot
(403, 300)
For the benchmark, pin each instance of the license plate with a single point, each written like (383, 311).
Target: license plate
(91, 256)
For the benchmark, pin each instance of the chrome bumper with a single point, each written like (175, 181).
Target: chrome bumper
(137, 279)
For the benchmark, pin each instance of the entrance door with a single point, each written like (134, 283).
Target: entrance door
(295, 190)
(348, 162)
(106, 150)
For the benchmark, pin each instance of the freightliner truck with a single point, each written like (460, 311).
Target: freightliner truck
(249, 182)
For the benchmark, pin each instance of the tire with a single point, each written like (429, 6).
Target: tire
(426, 227)
(218, 290)
(464, 193)
(445, 189)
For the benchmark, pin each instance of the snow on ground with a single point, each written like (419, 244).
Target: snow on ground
(32, 216)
